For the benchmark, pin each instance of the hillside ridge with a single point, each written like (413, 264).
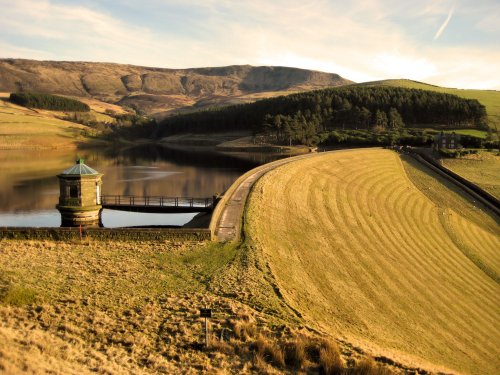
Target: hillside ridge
(158, 91)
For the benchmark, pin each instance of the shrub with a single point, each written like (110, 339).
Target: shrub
(221, 346)
(270, 351)
(367, 366)
(330, 362)
(295, 352)
(447, 153)
(244, 329)
(18, 295)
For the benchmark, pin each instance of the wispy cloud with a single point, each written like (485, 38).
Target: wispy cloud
(367, 40)
(445, 23)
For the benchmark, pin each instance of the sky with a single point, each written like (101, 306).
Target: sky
(452, 43)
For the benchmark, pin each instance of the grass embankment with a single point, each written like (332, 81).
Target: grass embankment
(23, 128)
(489, 98)
(482, 169)
(121, 308)
(384, 255)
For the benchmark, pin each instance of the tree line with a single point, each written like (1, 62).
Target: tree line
(302, 118)
(48, 101)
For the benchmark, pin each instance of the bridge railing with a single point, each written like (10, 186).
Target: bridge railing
(132, 200)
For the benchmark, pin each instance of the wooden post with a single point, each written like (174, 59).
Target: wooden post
(206, 313)
(206, 332)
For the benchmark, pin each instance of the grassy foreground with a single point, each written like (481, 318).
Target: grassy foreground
(375, 250)
(133, 308)
(110, 308)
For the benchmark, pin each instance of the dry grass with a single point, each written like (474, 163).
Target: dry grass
(244, 330)
(483, 169)
(406, 268)
(367, 366)
(270, 351)
(295, 352)
(120, 308)
(330, 361)
(94, 306)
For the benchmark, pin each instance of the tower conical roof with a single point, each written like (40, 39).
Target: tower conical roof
(80, 168)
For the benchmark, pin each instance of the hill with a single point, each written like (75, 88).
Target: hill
(157, 91)
(375, 250)
(24, 128)
(489, 98)
(315, 117)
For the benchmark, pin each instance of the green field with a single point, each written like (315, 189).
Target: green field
(489, 98)
(23, 128)
(378, 252)
(482, 169)
(473, 132)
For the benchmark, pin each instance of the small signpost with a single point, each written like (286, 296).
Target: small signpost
(206, 313)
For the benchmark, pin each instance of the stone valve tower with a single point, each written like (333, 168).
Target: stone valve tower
(80, 196)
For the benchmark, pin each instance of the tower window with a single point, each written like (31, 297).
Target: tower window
(73, 191)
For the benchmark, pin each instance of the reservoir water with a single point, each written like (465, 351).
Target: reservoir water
(29, 188)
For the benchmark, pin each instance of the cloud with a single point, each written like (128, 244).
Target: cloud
(477, 71)
(398, 66)
(445, 23)
(368, 40)
(23, 52)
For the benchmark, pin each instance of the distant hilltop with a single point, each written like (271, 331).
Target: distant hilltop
(159, 91)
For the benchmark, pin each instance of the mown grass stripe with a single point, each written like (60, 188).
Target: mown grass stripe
(367, 257)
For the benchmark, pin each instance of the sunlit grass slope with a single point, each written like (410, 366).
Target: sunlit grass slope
(489, 98)
(108, 308)
(22, 128)
(376, 251)
(483, 169)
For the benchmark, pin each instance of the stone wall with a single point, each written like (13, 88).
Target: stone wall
(105, 234)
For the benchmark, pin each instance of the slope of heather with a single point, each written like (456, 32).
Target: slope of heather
(156, 90)
(378, 251)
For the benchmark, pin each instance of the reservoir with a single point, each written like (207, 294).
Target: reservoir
(29, 188)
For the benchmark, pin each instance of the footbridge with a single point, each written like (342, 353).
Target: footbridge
(157, 204)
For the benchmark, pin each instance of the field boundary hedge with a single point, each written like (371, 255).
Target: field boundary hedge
(106, 234)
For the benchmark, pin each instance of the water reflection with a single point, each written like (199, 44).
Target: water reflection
(29, 189)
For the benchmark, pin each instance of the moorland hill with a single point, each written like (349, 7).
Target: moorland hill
(158, 91)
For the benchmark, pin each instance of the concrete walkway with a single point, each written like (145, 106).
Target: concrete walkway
(228, 227)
